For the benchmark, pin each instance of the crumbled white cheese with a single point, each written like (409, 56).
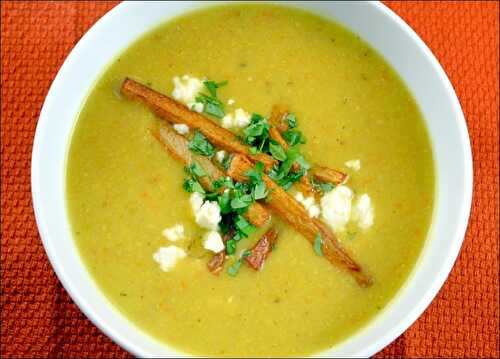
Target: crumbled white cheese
(309, 204)
(174, 233)
(336, 207)
(227, 120)
(363, 212)
(240, 118)
(220, 155)
(208, 215)
(196, 200)
(186, 89)
(168, 257)
(213, 241)
(231, 102)
(181, 128)
(354, 164)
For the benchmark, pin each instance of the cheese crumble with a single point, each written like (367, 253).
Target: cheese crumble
(181, 128)
(167, 257)
(174, 233)
(309, 204)
(186, 88)
(240, 118)
(336, 207)
(208, 215)
(354, 164)
(213, 242)
(363, 212)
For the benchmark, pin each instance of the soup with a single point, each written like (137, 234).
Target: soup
(126, 199)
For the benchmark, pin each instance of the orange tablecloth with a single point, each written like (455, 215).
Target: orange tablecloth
(38, 319)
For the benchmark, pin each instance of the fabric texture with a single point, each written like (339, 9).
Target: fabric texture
(38, 319)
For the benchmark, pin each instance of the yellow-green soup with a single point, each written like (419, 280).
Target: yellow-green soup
(124, 189)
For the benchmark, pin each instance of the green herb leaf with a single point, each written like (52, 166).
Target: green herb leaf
(260, 191)
(212, 106)
(255, 174)
(242, 201)
(292, 120)
(277, 151)
(322, 187)
(196, 170)
(293, 137)
(214, 110)
(230, 246)
(234, 268)
(191, 185)
(224, 201)
(253, 150)
(212, 86)
(200, 145)
(243, 226)
(318, 245)
(226, 163)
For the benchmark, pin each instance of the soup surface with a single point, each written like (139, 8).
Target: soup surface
(124, 190)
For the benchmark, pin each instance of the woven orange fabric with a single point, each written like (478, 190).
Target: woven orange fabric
(39, 320)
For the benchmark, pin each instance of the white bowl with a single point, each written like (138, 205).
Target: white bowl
(375, 23)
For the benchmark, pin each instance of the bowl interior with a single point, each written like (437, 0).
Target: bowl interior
(377, 25)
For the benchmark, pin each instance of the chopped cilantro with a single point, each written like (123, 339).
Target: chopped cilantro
(243, 226)
(227, 162)
(234, 268)
(195, 170)
(260, 191)
(242, 201)
(322, 187)
(212, 86)
(318, 245)
(277, 151)
(255, 174)
(224, 201)
(192, 185)
(230, 246)
(212, 106)
(253, 150)
(291, 120)
(200, 145)
(293, 137)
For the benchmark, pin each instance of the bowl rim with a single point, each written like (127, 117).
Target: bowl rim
(386, 338)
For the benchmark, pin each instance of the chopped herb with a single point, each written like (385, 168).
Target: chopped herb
(292, 120)
(253, 150)
(230, 246)
(260, 191)
(318, 245)
(221, 182)
(227, 162)
(242, 201)
(293, 137)
(277, 151)
(224, 201)
(246, 253)
(322, 187)
(243, 226)
(212, 86)
(212, 106)
(200, 145)
(256, 134)
(192, 185)
(255, 174)
(196, 170)
(234, 268)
